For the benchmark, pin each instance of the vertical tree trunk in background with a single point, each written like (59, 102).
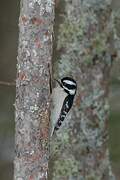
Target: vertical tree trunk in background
(32, 89)
(79, 151)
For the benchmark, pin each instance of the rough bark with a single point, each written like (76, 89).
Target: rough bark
(79, 151)
(33, 89)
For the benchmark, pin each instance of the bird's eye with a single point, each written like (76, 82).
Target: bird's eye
(65, 84)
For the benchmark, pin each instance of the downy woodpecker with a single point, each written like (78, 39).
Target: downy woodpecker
(62, 101)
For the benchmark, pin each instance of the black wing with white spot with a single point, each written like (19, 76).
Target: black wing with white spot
(64, 111)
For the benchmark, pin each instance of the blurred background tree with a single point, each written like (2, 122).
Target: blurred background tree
(9, 12)
(83, 32)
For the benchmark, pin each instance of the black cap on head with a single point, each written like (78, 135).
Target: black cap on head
(69, 81)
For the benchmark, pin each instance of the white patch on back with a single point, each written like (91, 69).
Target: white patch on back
(69, 82)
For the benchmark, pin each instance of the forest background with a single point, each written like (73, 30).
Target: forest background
(9, 13)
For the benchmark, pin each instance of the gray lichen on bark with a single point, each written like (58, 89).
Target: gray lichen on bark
(79, 151)
(116, 28)
(33, 89)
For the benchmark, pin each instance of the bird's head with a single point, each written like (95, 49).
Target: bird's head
(69, 85)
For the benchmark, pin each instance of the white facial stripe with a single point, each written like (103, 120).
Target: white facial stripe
(71, 91)
(69, 82)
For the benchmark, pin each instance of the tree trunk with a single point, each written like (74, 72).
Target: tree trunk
(79, 151)
(33, 89)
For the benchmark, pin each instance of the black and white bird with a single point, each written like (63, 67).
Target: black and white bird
(62, 101)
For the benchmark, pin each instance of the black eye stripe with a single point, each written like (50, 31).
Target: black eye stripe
(69, 86)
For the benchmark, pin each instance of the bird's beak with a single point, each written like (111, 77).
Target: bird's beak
(58, 82)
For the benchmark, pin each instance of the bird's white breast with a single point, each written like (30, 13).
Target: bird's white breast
(58, 96)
